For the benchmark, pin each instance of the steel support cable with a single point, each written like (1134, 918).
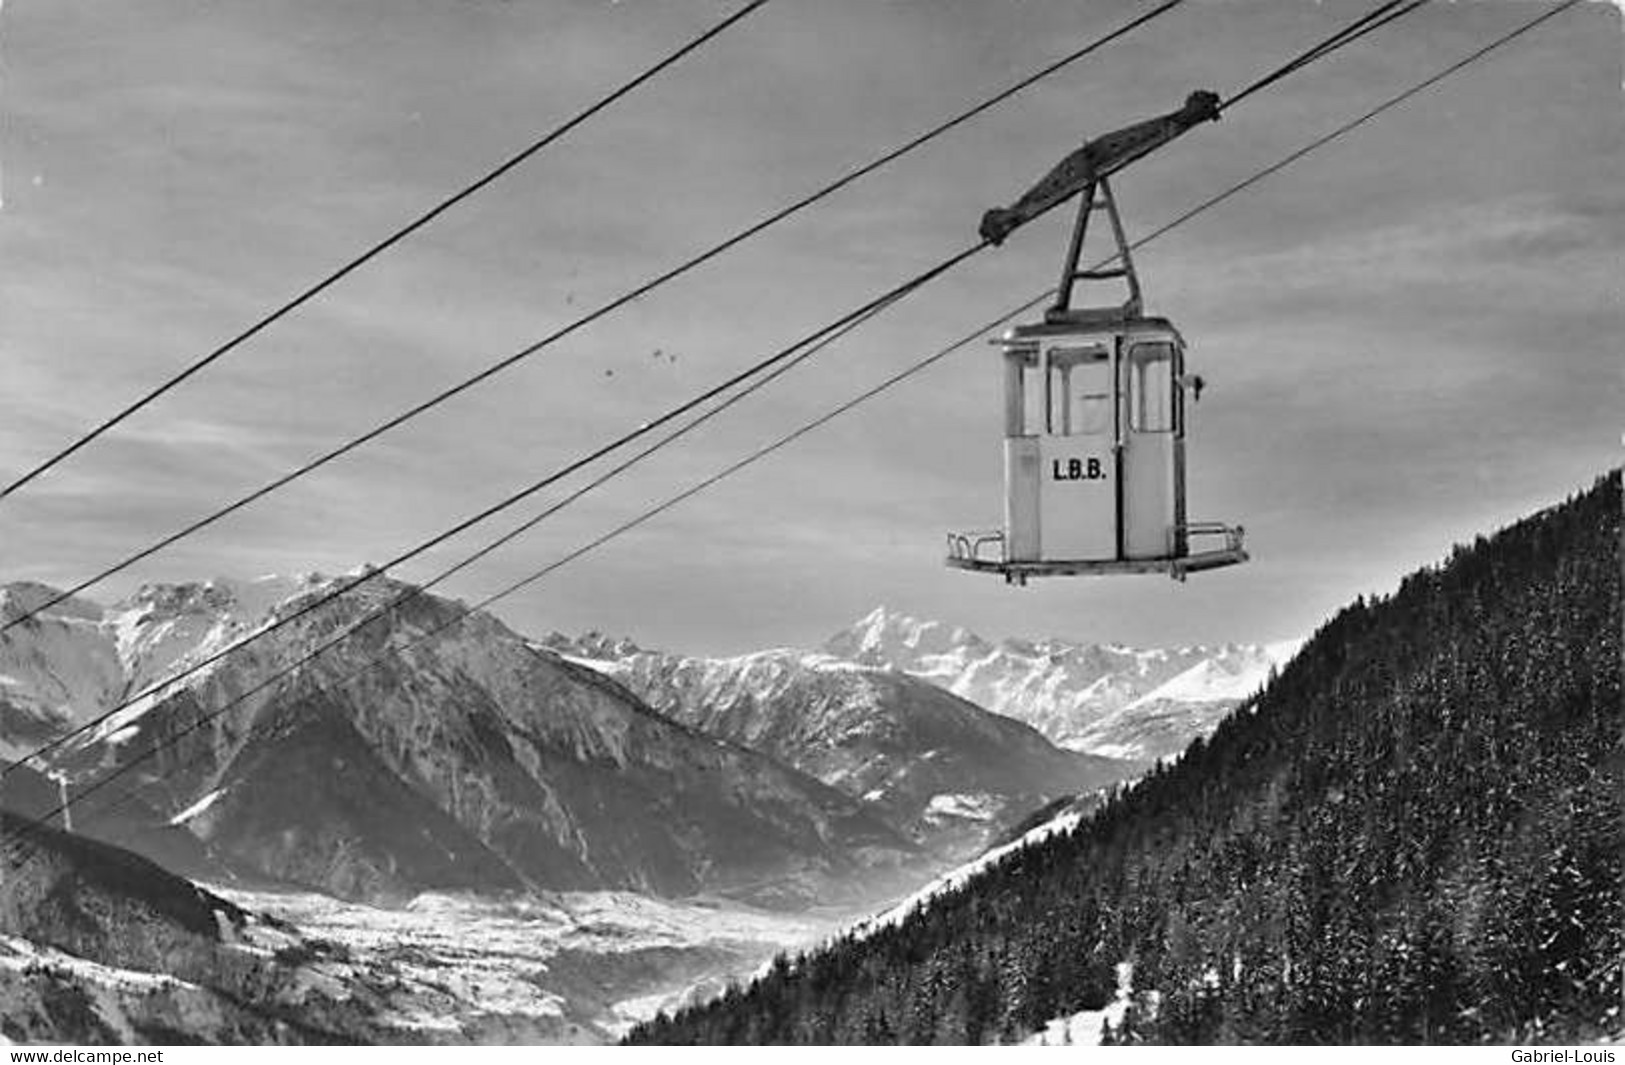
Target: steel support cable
(863, 397)
(312, 291)
(605, 309)
(463, 613)
(851, 318)
(514, 498)
(813, 346)
(1360, 120)
(1371, 21)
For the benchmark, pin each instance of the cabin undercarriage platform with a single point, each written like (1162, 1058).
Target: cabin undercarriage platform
(983, 552)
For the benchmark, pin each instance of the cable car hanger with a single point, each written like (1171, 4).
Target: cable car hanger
(1094, 402)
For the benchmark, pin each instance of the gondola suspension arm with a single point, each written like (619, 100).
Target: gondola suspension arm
(1096, 159)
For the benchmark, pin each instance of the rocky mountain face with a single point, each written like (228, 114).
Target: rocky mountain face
(418, 754)
(1104, 699)
(949, 773)
(78, 657)
(120, 820)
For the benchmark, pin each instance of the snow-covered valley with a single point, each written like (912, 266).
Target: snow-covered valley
(573, 967)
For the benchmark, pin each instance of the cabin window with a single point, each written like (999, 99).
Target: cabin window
(1035, 399)
(1078, 391)
(1151, 387)
(1091, 397)
(1055, 393)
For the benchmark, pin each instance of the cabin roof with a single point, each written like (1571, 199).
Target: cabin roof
(1092, 325)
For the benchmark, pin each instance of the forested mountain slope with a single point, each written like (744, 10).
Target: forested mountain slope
(1412, 835)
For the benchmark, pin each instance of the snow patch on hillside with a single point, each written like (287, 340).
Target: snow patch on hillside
(977, 807)
(197, 807)
(19, 955)
(1085, 1027)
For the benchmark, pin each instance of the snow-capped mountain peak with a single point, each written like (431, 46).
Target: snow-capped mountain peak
(1095, 697)
(881, 635)
(76, 658)
(949, 771)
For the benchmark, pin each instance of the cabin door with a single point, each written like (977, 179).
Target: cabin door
(1077, 497)
(1150, 370)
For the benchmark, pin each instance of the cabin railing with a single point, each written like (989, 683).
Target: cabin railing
(1232, 535)
(967, 546)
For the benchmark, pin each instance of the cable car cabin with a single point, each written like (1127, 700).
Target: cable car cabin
(1094, 401)
(1094, 456)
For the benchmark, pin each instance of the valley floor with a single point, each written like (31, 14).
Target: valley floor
(569, 967)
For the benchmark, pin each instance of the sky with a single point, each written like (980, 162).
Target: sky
(1409, 338)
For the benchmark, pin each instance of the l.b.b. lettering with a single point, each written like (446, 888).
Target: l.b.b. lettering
(1089, 469)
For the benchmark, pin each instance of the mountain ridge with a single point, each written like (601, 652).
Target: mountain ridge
(1109, 699)
(537, 772)
(934, 762)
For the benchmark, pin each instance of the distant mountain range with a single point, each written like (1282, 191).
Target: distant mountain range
(475, 759)
(936, 765)
(1104, 699)
(464, 760)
